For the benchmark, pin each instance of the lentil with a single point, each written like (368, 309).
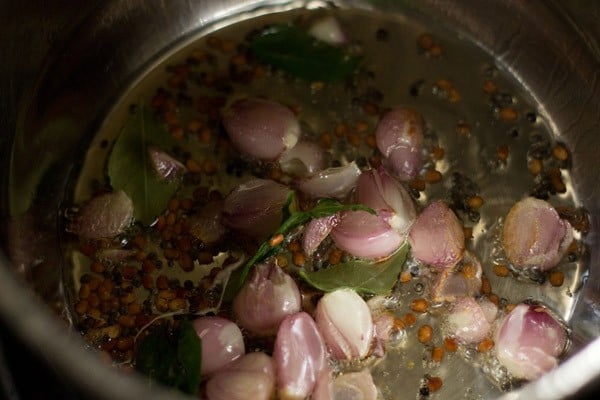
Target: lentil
(489, 87)
(405, 276)
(508, 114)
(556, 278)
(485, 345)
(437, 354)
(535, 166)
(560, 152)
(419, 305)
(433, 176)
(475, 202)
(434, 384)
(501, 270)
(409, 319)
(425, 333)
(450, 345)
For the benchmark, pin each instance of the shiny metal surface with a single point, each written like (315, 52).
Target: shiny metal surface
(63, 79)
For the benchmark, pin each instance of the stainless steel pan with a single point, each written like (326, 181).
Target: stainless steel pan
(64, 65)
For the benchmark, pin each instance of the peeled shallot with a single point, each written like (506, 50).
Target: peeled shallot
(260, 128)
(300, 356)
(345, 337)
(529, 340)
(534, 235)
(250, 377)
(269, 296)
(399, 137)
(222, 342)
(437, 237)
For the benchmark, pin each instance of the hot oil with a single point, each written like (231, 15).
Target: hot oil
(485, 135)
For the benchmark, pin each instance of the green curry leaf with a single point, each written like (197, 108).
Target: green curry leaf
(362, 276)
(171, 356)
(129, 168)
(291, 49)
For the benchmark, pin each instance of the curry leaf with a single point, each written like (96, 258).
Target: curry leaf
(171, 356)
(129, 168)
(324, 207)
(293, 50)
(360, 275)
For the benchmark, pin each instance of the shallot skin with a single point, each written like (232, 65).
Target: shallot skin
(260, 128)
(300, 356)
(534, 235)
(529, 340)
(399, 137)
(437, 237)
(250, 377)
(222, 342)
(346, 337)
(268, 297)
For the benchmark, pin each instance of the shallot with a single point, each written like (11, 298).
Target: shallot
(354, 386)
(254, 207)
(328, 30)
(345, 337)
(399, 137)
(304, 159)
(104, 216)
(470, 320)
(252, 376)
(365, 235)
(222, 342)
(316, 231)
(323, 386)
(336, 182)
(437, 237)
(529, 340)
(347, 386)
(165, 166)
(380, 191)
(300, 356)
(260, 128)
(265, 299)
(534, 235)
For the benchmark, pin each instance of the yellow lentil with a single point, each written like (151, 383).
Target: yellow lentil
(437, 354)
(501, 270)
(485, 345)
(556, 278)
(425, 333)
(433, 176)
(434, 384)
(419, 305)
(508, 114)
